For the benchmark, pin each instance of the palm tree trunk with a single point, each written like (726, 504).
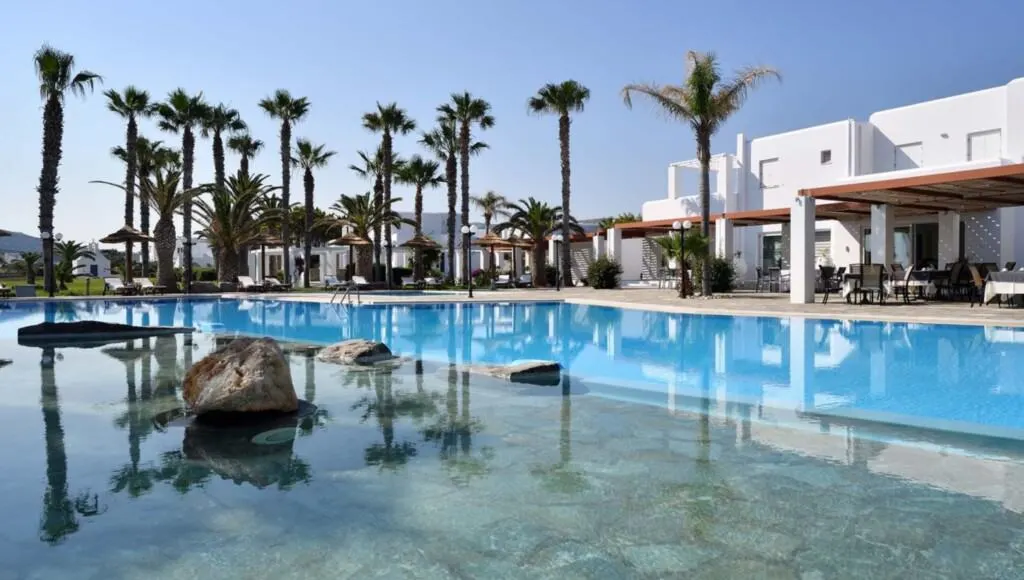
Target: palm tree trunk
(363, 258)
(131, 140)
(286, 176)
(450, 172)
(188, 147)
(144, 218)
(218, 160)
(53, 133)
(243, 165)
(388, 161)
(163, 235)
(227, 265)
(566, 246)
(417, 273)
(539, 271)
(704, 154)
(307, 238)
(464, 161)
(378, 200)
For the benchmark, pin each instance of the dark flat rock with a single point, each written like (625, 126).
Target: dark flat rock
(89, 332)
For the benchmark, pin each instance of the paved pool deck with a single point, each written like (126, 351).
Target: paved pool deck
(741, 303)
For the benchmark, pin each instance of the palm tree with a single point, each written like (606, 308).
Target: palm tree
(132, 104)
(536, 220)
(148, 155)
(420, 173)
(27, 264)
(443, 142)
(372, 169)
(230, 219)
(623, 218)
(467, 111)
(685, 250)
(160, 191)
(704, 101)
(57, 77)
(289, 110)
(219, 120)
(388, 120)
(69, 251)
(362, 215)
(182, 113)
(490, 204)
(246, 147)
(562, 99)
(309, 157)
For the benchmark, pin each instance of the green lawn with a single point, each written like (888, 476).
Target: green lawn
(75, 288)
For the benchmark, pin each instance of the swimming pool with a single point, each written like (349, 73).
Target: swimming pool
(693, 446)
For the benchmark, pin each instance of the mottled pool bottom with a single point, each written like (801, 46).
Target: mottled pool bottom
(440, 476)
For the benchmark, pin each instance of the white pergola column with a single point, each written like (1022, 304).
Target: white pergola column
(552, 248)
(882, 234)
(614, 244)
(723, 238)
(599, 246)
(949, 238)
(801, 251)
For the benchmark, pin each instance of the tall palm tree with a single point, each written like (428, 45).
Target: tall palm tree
(183, 113)
(230, 219)
(309, 157)
(467, 111)
(131, 104)
(246, 147)
(443, 142)
(362, 215)
(388, 120)
(372, 169)
(160, 191)
(705, 101)
(148, 155)
(219, 120)
(490, 204)
(289, 110)
(536, 220)
(420, 173)
(57, 76)
(562, 99)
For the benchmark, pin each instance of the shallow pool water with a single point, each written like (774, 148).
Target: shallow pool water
(424, 471)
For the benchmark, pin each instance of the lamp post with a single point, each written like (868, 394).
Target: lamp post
(557, 238)
(186, 261)
(467, 234)
(682, 228)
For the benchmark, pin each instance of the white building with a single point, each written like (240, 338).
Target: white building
(202, 257)
(97, 266)
(847, 169)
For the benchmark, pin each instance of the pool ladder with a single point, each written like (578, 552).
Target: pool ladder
(347, 294)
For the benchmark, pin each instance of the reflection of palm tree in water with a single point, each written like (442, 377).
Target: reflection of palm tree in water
(453, 433)
(389, 455)
(59, 518)
(137, 481)
(561, 477)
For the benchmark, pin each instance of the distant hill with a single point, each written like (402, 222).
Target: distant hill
(18, 242)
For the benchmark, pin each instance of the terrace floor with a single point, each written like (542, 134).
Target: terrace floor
(742, 303)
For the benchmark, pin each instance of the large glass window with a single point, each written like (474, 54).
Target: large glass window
(771, 251)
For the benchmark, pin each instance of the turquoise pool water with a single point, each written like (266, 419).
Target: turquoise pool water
(703, 447)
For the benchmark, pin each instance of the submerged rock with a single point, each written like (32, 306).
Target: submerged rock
(534, 372)
(89, 331)
(247, 376)
(356, 352)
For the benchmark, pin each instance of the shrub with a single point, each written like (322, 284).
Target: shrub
(603, 273)
(482, 278)
(204, 274)
(723, 275)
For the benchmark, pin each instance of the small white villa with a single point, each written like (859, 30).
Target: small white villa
(98, 266)
(941, 180)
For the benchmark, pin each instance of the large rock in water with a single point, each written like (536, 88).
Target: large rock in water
(356, 352)
(534, 372)
(248, 375)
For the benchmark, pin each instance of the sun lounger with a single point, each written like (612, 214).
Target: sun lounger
(503, 281)
(6, 292)
(147, 287)
(525, 280)
(332, 283)
(359, 282)
(247, 284)
(431, 282)
(275, 285)
(410, 282)
(116, 286)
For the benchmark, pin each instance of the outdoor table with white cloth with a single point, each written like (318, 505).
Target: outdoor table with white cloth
(1006, 284)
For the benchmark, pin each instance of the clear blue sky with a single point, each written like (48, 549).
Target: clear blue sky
(839, 60)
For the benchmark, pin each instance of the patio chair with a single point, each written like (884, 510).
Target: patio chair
(901, 282)
(275, 285)
(146, 286)
(762, 282)
(117, 286)
(872, 281)
(503, 281)
(976, 286)
(247, 284)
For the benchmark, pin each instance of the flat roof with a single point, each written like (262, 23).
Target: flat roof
(963, 190)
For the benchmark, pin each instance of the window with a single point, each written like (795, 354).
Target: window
(771, 251)
(826, 156)
(769, 173)
(984, 145)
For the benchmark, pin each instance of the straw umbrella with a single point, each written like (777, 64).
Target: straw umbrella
(127, 235)
(420, 242)
(264, 240)
(350, 240)
(491, 241)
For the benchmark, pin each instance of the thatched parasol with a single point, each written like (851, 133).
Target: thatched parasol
(492, 240)
(126, 235)
(265, 239)
(420, 242)
(350, 240)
